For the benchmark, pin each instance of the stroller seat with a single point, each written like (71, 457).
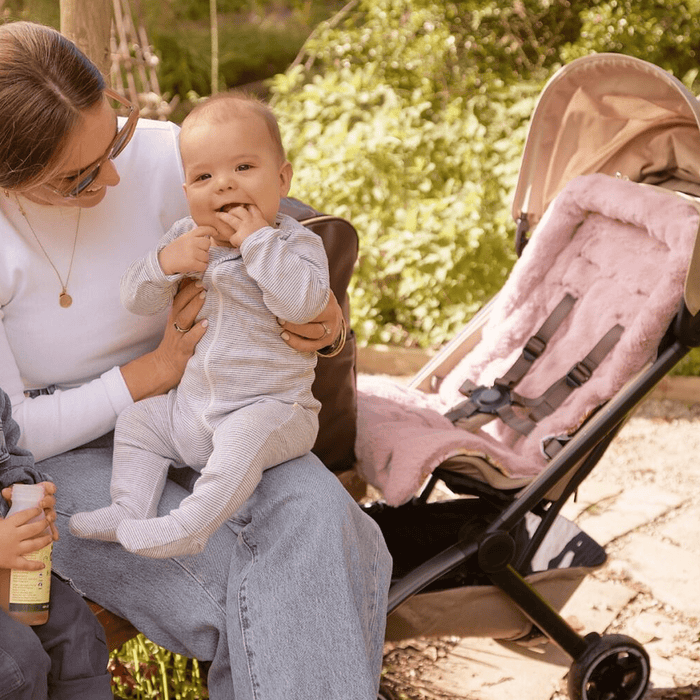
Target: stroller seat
(605, 269)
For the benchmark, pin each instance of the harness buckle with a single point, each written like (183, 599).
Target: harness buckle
(579, 374)
(489, 399)
(534, 348)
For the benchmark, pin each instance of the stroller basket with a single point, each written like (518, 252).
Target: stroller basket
(515, 413)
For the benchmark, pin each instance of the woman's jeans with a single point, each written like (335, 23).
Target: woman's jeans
(288, 600)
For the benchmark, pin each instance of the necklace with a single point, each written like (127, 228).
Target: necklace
(64, 299)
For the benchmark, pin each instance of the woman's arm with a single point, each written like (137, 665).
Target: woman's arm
(52, 424)
(159, 371)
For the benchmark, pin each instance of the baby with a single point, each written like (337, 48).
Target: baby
(244, 403)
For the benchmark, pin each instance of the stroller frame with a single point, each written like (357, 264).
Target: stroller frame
(614, 667)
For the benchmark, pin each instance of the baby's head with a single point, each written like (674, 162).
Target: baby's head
(232, 155)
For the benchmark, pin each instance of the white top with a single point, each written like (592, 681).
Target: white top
(79, 349)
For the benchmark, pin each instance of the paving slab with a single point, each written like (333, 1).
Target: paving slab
(671, 572)
(673, 662)
(683, 530)
(632, 509)
(483, 669)
(592, 498)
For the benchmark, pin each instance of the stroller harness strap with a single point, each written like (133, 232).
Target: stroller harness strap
(485, 403)
(537, 343)
(489, 400)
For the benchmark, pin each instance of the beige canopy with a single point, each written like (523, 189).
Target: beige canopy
(618, 115)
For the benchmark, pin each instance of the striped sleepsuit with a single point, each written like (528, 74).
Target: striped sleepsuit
(244, 403)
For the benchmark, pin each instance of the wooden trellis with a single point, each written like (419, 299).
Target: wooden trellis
(133, 72)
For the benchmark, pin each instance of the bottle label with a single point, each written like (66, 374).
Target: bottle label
(30, 590)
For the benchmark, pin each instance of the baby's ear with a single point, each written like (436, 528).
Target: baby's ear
(286, 173)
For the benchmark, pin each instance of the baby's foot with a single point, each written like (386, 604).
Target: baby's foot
(99, 524)
(159, 538)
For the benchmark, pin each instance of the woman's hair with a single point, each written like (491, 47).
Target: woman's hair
(225, 104)
(45, 83)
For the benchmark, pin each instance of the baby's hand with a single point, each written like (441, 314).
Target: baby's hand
(244, 220)
(19, 537)
(188, 253)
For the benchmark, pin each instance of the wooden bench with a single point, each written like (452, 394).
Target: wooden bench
(117, 629)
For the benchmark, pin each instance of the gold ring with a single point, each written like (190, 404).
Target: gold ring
(181, 330)
(326, 330)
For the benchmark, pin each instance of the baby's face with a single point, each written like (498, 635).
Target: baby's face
(232, 163)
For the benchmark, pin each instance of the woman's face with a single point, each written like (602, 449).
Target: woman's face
(88, 142)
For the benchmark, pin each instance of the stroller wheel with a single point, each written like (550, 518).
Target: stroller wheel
(614, 667)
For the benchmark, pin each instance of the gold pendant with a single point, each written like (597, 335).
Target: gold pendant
(65, 300)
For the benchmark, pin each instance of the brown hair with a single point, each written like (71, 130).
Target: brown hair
(45, 83)
(224, 104)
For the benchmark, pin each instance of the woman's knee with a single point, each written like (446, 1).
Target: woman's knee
(310, 501)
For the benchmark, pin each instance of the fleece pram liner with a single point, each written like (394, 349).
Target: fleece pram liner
(621, 249)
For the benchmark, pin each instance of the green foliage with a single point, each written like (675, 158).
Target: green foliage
(409, 118)
(42, 11)
(666, 33)
(256, 40)
(385, 128)
(143, 671)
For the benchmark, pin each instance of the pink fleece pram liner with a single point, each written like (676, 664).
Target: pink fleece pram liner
(622, 250)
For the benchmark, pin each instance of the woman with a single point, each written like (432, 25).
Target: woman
(289, 598)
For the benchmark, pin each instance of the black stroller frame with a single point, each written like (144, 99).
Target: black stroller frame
(613, 666)
(608, 667)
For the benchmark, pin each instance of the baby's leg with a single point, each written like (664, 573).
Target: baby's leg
(143, 452)
(246, 443)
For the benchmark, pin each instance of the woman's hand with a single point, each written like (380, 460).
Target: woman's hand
(159, 371)
(317, 334)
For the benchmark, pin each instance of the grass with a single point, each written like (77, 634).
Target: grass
(141, 670)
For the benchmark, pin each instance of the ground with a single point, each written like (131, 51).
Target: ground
(642, 502)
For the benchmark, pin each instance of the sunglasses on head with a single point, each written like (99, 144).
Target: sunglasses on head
(74, 186)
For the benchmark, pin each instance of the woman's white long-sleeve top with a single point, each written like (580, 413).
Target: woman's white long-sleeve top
(78, 350)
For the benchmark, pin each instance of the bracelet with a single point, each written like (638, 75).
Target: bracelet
(337, 345)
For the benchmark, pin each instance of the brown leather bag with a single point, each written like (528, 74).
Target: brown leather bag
(335, 383)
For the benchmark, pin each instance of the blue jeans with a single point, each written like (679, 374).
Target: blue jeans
(288, 600)
(63, 659)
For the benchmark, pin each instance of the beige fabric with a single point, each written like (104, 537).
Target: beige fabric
(617, 115)
(478, 611)
(608, 113)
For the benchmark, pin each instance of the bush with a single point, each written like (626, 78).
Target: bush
(409, 119)
(385, 129)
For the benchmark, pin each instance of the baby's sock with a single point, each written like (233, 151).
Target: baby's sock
(159, 537)
(99, 524)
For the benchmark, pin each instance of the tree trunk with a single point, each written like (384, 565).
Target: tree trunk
(87, 23)
(214, 29)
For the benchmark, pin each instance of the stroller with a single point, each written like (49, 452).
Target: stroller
(518, 409)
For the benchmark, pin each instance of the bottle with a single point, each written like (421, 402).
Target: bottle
(25, 594)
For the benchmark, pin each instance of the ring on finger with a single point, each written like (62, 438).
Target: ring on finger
(181, 330)
(326, 330)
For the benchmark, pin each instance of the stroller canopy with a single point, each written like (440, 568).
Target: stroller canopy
(608, 113)
(618, 115)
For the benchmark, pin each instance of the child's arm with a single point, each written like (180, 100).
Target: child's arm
(47, 504)
(150, 283)
(188, 253)
(289, 265)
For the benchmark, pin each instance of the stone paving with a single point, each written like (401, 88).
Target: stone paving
(649, 589)
(642, 503)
